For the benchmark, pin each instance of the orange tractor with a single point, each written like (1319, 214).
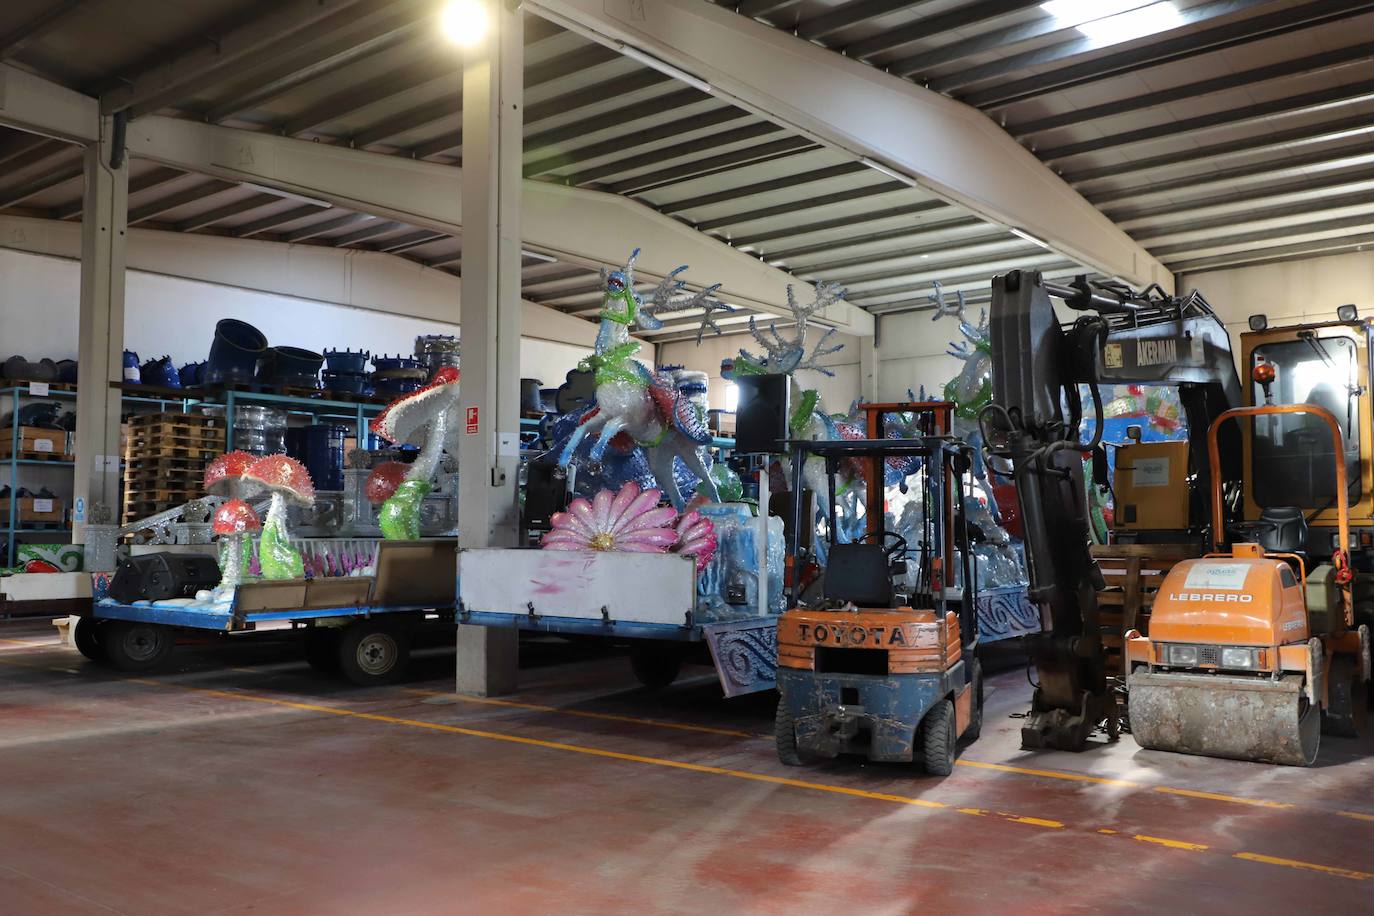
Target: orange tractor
(1251, 654)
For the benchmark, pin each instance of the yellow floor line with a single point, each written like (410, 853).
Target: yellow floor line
(1356, 815)
(1308, 866)
(586, 714)
(709, 769)
(1216, 796)
(1052, 774)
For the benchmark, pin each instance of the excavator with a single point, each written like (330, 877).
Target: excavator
(1303, 637)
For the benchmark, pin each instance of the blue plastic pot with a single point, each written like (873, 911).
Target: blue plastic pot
(160, 372)
(291, 366)
(190, 374)
(346, 362)
(131, 367)
(345, 382)
(235, 353)
(390, 363)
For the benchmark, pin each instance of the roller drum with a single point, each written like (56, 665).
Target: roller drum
(1243, 718)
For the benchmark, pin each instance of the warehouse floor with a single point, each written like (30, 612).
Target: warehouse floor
(241, 782)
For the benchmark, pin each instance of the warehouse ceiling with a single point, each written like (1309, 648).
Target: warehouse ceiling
(1215, 133)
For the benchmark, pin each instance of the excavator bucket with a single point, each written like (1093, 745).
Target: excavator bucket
(1268, 721)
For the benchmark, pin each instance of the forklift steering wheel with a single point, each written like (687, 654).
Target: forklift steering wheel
(896, 550)
(1250, 532)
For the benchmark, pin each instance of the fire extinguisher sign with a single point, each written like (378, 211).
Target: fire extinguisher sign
(472, 421)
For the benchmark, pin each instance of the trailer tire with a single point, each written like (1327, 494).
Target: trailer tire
(87, 638)
(938, 739)
(372, 653)
(656, 666)
(322, 649)
(136, 647)
(975, 723)
(785, 738)
(1347, 710)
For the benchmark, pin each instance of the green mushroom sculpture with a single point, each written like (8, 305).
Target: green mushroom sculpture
(427, 414)
(289, 483)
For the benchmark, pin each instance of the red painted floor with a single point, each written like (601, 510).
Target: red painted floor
(241, 782)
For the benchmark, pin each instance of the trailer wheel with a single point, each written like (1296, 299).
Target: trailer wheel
(371, 653)
(656, 666)
(87, 638)
(135, 647)
(938, 739)
(975, 723)
(322, 649)
(1347, 710)
(785, 738)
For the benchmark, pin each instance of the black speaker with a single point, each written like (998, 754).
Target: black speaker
(761, 413)
(159, 576)
(546, 492)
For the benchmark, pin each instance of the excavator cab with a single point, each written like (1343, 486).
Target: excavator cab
(1253, 654)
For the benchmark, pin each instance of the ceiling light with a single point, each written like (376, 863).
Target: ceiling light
(1109, 22)
(538, 256)
(464, 22)
(664, 67)
(889, 171)
(286, 195)
(1023, 234)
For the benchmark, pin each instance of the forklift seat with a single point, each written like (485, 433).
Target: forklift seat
(1290, 532)
(859, 573)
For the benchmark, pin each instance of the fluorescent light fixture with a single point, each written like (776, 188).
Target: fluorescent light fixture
(1023, 234)
(890, 172)
(1109, 22)
(664, 67)
(464, 22)
(286, 195)
(537, 256)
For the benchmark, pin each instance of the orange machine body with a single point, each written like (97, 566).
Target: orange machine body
(1233, 601)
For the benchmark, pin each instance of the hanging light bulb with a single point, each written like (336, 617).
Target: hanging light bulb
(464, 22)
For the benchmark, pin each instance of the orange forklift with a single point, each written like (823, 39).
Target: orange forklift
(872, 668)
(1251, 654)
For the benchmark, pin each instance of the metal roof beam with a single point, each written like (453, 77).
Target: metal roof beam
(907, 235)
(180, 199)
(396, 82)
(1290, 105)
(947, 148)
(847, 15)
(1278, 254)
(266, 223)
(648, 108)
(763, 187)
(643, 137)
(959, 18)
(1315, 63)
(700, 168)
(40, 106)
(155, 178)
(842, 222)
(1039, 57)
(329, 225)
(426, 195)
(637, 161)
(1268, 235)
(14, 41)
(808, 203)
(370, 231)
(52, 179)
(228, 211)
(289, 25)
(412, 240)
(1153, 54)
(1304, 185)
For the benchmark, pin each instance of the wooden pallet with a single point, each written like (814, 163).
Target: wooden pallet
(165, 456)
(25, 454)
(162, 463)
(190, 452)
(1133, 573)
(173, 418)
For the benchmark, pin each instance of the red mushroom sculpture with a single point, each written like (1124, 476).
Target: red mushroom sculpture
(234, 521)
(429, 411)
(384, 480)
(224, 475)
(288, 482)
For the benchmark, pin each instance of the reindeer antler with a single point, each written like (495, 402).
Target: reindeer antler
(788, 354)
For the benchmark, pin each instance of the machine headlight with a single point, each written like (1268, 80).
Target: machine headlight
(1237, 658)
(1183, 656)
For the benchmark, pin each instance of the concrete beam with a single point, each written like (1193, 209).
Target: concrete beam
(574, 225)
(946, 147)
(31, 103)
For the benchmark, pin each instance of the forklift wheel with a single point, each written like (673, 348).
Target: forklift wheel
(87, 638)
(975, 724)
(135, 647)
(370, 653)
(322, 649)
(656, 666)
(938, 739)
(785, 737)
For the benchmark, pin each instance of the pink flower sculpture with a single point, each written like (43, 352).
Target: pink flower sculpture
(696, 537)
(628, 520)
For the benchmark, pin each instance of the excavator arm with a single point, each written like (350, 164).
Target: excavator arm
(1033, 421)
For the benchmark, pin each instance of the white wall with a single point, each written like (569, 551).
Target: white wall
(837, 393)
(1289, 292)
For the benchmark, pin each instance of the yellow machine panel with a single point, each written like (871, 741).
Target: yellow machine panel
(1151, 486)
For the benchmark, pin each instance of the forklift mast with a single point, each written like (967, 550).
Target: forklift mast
(1122, 337)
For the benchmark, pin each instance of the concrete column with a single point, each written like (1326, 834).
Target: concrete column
(488, 454)
(101, 329)
(870, 369)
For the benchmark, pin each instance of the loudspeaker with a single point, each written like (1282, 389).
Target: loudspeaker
(761, 413)
(546, 492)
(159, 576)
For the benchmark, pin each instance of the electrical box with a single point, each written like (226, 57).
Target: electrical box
(1151, 486)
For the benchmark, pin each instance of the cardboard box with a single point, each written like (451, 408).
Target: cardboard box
(45, 511)
(1151, 486)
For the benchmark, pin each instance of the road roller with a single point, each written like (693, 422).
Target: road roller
(1253, 655)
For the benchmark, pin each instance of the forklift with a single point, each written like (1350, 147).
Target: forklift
(869, 667)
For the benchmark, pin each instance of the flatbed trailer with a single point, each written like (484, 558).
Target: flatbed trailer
(358, 626)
